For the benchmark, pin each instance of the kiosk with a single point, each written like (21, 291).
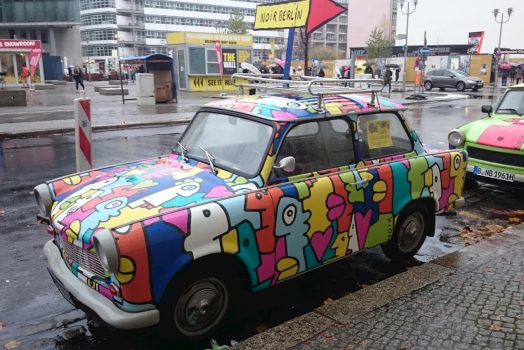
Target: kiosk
(161, 66)
(206, 61)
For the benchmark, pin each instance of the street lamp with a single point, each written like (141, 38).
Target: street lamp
(407, 13)
(88, 61)
(496, 14)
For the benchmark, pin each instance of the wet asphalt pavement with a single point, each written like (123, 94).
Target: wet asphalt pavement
(34, 315)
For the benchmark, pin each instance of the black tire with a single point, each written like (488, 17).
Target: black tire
(461, 86)
(409, 234)
(428, 85)
(198, 302)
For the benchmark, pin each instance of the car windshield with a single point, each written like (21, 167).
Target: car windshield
(237, 144)
(512, 103)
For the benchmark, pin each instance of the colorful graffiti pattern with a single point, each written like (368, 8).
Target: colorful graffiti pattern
(164, 212)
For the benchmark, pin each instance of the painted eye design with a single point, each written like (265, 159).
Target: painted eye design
(113, 204)
(289, 214)
(456, 162)
(72, 210)
(188, 187)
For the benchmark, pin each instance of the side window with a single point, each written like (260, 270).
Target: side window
(382, 135)
(317, 146)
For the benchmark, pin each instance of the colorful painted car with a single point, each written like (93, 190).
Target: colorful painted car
(495, 143)
(260, 190)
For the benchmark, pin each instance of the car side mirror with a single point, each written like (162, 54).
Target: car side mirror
(287, 164)
(452, 76)
(487, 109)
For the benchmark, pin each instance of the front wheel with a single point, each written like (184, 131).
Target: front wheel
(409, 234)
(428, 86)
(461, 86)
(195, 305)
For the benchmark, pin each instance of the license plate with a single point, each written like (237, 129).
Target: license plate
(494, 174)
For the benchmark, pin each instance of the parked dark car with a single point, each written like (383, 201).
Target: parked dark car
(450, 78)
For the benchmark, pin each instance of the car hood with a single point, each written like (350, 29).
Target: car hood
(116, 196)
(503, 132)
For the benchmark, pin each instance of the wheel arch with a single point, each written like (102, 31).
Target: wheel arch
(429, 205)
(226, 261)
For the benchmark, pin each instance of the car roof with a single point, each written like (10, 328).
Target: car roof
(290, 107)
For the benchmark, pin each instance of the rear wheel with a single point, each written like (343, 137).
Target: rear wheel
(461, 86)
(410, 233)
(428, 86)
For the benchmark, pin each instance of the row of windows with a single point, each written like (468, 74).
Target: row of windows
(96, 4)
(98, 18)
(186, 21)
(267, 40)
(186, 6)
(107, 34)
(98, 50)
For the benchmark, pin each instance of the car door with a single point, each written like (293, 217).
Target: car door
(449, 78)
(437, 78)
(313, 211)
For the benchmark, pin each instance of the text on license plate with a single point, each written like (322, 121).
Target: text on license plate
(494, 174)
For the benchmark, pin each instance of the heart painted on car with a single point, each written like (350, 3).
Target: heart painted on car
(336, 205)
(320, 242)
(219, 191)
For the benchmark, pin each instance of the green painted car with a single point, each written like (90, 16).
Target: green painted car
(495, 143)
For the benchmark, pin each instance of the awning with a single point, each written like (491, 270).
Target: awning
(154, 58)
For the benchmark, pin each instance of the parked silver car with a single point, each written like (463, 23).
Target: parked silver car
(450, 78)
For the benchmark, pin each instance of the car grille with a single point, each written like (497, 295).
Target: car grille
(496, 157)
(87, 260)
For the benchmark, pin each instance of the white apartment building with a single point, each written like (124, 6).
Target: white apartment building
(111, 28)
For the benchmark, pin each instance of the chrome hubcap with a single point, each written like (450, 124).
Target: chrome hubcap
(201, 307)
(411, 232)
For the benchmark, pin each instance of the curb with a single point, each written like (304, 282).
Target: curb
(98, 128)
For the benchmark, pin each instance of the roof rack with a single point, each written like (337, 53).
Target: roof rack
(319, 87)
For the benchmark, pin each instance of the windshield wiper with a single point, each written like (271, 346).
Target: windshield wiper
(210, 158)
(183, 150)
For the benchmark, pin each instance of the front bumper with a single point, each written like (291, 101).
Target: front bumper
(82, 295)
(474, 85)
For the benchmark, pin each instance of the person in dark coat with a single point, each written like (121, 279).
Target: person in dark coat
(397, 73)
(321, 73)
(251, 91)
(388, 76)
(78, 75)
(369, 70)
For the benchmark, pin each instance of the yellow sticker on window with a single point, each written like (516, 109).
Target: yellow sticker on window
(379, 134)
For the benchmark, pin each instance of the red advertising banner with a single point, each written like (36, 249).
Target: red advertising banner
(218, 49)
(17, 44)
(475, 41)
(34, 57)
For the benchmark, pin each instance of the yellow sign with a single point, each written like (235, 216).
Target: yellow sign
(282, 15)
(244, 56)
(379, 134)
(176, 38)
(203, 83)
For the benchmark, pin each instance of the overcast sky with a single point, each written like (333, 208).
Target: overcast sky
(450, 21)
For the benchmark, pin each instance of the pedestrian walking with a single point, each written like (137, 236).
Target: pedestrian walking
(504, 77)
(388, 76)
(519, 74)
(26, 77)
(321, 73)
(378, 72)
(397, 73)
(369, 70)
(78, 75)
(512, 75)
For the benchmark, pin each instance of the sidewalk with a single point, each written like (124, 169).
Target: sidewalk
(470, 299)
(51, 111)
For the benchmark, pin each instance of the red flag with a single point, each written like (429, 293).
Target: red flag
(34, 57)
(218, 49)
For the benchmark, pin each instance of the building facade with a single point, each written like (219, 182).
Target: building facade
(56, 23)
(112, 28)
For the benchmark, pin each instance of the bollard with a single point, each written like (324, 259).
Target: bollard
(83, 134)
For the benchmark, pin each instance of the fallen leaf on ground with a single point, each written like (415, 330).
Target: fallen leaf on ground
(327, 301)
(2, 212)
(12, 344)
(495, 328)
(515, 220)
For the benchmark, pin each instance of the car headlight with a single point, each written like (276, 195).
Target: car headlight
(44, 199)
(105, 246)
(456, 138)
(471, 81)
